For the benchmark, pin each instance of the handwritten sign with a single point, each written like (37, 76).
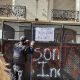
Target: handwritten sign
(44, 34)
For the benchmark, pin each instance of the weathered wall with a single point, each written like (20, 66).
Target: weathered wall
(42, 9)
(5, 2)
(65, 4)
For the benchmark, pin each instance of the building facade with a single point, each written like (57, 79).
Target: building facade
(54, 25)
(43, 9)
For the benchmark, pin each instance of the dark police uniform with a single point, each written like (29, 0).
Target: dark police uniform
(19, 59)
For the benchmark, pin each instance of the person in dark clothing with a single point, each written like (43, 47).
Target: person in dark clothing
(20, 51)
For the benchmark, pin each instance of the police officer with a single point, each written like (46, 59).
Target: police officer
(19, 56)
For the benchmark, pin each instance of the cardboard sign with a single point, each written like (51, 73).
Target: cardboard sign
(44, 34)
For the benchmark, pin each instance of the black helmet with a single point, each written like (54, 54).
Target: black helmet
(22, 38)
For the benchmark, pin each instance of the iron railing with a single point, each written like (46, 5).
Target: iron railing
(65, 15)
(12, 10)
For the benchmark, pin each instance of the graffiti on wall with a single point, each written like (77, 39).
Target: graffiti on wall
(47, 61)
(48, 56)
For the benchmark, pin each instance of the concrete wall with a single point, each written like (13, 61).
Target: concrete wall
(5, 2)
(65, 4)
(43, 8)
(50, 7)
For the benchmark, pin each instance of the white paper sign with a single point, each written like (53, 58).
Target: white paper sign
(44, 34)
(0, 34)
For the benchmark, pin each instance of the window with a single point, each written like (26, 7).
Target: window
(25, 30)
(28, 34)
(69, 35)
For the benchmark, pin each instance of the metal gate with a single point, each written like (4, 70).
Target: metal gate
(58, 57)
